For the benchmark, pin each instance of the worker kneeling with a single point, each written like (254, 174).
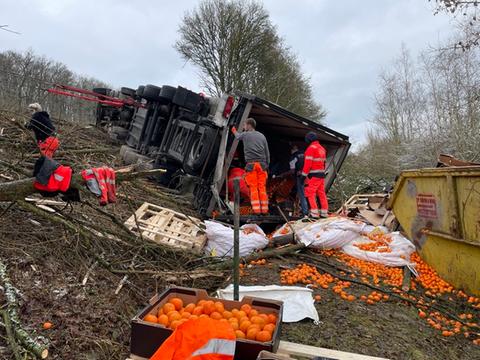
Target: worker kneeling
(199, 339)
(257, 158)
(313, 174)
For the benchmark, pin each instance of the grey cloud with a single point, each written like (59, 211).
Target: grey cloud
(342, 45)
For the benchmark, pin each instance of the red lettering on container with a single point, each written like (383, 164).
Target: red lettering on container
(427, 206)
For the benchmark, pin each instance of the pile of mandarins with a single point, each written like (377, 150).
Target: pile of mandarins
(247, 322)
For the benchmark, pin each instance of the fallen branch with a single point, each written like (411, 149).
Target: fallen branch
(10, 335)
(19, 189)
(262, 255)
(34, 345)
(84, 151)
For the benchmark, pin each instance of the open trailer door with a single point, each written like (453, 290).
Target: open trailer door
(281, 128)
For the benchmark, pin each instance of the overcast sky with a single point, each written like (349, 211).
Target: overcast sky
(342, 45)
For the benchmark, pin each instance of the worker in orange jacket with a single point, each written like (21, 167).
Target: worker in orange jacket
(199, 339)
(257, 157)
(313, 175)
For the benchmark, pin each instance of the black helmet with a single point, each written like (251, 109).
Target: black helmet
(310, 137)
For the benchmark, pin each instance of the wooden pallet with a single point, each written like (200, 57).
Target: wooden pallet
(167, 227)
(360, 201)
(304, 351)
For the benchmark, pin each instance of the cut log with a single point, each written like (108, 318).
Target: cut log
(19, 189)
(34, 345)
(283, 240)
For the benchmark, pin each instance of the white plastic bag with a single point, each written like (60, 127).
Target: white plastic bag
(331, 233)
(220, 239)
(298, 302)
(401, 249)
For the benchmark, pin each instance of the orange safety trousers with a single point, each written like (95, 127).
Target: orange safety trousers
(49, 146)
(316, 187)
(256, 179)
(199, 339)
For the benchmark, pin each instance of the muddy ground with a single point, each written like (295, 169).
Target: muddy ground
(388, 329)
(47, 263)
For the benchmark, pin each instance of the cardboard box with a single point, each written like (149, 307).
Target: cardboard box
(147, 337)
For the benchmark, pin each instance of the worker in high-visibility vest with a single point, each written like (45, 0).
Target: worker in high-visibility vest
(313, 175)
(257, 158)
(199, 339)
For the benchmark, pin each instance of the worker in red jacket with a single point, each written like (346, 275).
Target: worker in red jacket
(313, 175)
(257, 157)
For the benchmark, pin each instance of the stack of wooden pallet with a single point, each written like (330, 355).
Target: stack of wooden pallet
(167, 227)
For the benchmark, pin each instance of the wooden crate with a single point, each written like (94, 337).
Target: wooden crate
(167, 227)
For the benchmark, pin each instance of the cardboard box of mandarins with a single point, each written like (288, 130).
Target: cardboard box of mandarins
(257, 322)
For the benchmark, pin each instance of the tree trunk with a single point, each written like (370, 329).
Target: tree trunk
(19, 189)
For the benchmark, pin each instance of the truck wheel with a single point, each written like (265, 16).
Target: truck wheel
(102, 91)
(126, 115)
(151, 92)
(139, 91)
(200, 150)
(127, 91)
(167, 93)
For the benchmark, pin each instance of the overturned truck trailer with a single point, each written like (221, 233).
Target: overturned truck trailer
(189, 135)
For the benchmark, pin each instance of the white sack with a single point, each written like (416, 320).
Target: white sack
(220, 239)
(286, 228)
(401, 249)
(298, 302)
(331, 233)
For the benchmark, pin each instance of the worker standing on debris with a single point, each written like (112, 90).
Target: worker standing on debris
(257, 158)
(313, 175)
(44, 131)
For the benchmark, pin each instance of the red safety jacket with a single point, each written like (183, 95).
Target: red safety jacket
(106, 182)
(238, 173)
(58, 181)
(315, 157)
(199, 339)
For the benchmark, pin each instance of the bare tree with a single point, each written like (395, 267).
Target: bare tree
(466, 12)
(24, 77)
(236, 47)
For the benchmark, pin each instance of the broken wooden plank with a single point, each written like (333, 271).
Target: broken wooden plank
(289, 348)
